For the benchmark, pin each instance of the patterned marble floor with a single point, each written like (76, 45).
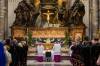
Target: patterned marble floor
(35, 63)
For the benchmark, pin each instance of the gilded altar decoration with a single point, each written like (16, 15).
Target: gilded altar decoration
(49, 34)
(19, 33)
(48, 45)
(50, 19)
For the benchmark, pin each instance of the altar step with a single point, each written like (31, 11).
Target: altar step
(34, 57)
(35, 63)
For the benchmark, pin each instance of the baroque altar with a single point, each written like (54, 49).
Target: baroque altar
(47, 20)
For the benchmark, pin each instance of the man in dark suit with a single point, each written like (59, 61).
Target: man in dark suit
(95, 51)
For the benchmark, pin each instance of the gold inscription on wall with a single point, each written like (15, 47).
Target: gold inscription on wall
(49, 34)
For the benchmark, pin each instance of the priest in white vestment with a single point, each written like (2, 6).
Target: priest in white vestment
(57, 48)
(40, 49)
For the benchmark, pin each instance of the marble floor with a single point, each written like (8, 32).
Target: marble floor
(35, 63)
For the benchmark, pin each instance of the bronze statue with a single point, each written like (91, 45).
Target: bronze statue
(61, 13)
(75, 14)
(25, 14)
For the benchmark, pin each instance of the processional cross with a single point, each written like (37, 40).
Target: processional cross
(48, 15)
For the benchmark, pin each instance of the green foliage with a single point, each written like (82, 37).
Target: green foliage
(66, 39)
(30, 39)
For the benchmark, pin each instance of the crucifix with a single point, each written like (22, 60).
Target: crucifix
(48, 15)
